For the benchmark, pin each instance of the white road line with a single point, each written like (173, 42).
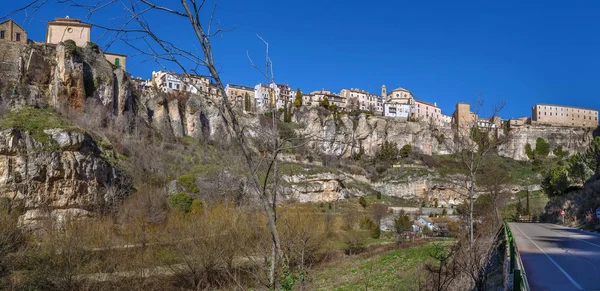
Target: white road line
(553, 261)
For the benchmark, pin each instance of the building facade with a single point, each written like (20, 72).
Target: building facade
(357, 99)
(423, 111)
(462, 116)
(559, 115)
(238, 94)
(119, 60)
(398, 102)
(62, 29)
(11, 31)
(172, 82)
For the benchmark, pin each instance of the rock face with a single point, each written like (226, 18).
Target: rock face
(56, 178)
(573, 140)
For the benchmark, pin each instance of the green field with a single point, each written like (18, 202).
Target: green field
(393, 270)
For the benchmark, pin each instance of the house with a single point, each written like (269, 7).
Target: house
(357, 99)
(11, 31)
(398, 103)
(61, 29)
(173, 82)
(418, 226)
(241, 96)
(427, 222)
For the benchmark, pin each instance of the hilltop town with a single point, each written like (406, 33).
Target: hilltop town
(399, 103)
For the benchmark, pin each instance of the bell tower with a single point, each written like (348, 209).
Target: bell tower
(383, 91)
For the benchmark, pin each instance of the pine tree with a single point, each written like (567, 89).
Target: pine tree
(247, 102)
(298, 100)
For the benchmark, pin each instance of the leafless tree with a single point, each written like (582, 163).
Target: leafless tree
(472, 145)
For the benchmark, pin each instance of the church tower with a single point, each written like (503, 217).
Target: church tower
(383, 91)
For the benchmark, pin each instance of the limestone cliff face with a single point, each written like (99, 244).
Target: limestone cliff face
(348, 134)
(64, 175)
(573, 140)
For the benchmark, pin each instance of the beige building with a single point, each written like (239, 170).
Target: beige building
(423, 111)
(315, 98)
(462, 116)
(62, 29)
(238, 93)
(120, 61)
(518, 122)
(11, 31)
(357, 99)
(564, 115)
(398, 102)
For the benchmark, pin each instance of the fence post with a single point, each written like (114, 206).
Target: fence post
(517, 280)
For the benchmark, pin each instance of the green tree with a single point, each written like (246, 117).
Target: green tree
(542, 148)
(405, 150)
(363, 202)
(402, 225)
(579, 171)
(388, 152)
(529, 151)
(556, 181)
(247, 102)
(298, 99)
(559, 152)
(324, 103)
(181, 202)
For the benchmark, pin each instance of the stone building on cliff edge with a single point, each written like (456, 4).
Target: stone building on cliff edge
(11, 31)
(62, 29)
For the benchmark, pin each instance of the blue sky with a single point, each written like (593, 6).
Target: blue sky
(443, 51)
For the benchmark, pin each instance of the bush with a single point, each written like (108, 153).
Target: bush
(181, 202)
(189, 183)
(542, 148)
(388, 152)
(71, 48)
(378, 195)
(405, 150)
(355, 242)
(363, 202)
(529, 152)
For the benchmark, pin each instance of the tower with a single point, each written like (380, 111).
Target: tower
(383, 91)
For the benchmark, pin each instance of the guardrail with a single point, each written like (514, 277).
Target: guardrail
(516, 265)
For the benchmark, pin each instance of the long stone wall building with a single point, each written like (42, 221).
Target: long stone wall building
(551, 114)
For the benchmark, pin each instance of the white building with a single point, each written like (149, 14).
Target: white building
(398, 102)
(169, 82)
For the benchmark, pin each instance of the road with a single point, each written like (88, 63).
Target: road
(557, 257)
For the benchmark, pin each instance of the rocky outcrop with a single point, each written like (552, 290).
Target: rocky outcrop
(65, 174)
(571, 139)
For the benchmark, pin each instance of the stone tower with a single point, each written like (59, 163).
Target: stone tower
(383, 91)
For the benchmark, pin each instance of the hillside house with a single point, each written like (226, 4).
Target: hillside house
(11, 31)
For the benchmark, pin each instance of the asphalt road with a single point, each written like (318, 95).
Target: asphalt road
(557, 257)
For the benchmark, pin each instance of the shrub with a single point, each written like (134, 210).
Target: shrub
(542, 148)
(189, 183)
(559, 152)
(355, 242)
(529, 152)
(363, 202)
(388, 152)
(71, 48)
(181, 202)
(324, 103)
(378, 195)
(405, 150)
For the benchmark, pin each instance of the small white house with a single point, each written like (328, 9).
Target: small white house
(427, 222)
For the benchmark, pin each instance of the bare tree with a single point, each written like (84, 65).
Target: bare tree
(474, 140)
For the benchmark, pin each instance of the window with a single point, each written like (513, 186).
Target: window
(117, 62)
(170, 85)
(18, 36)
(2, 34)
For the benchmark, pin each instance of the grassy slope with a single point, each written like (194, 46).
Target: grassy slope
(394, 270)
(35, 121)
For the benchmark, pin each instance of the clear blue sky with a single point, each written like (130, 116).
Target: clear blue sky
(443, 51)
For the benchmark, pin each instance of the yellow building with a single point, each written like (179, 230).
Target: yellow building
(462, 116)
(551, 114)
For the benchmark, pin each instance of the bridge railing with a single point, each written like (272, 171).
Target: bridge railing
(516, 265)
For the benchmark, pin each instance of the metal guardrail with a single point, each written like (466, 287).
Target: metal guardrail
(516, 265)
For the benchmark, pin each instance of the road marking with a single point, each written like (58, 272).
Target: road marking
(553, 261)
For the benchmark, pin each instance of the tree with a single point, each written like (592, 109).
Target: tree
(529, 151)
(247, 102)
(405, 150)
(298, 100)
(378, 211)
(559, 152)
(472, 146)
(542, 148)
(402, 224)
(556, 181)
(493, 180)
(388, 151)
(181, 202)
(363, 202)
(324, 103)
